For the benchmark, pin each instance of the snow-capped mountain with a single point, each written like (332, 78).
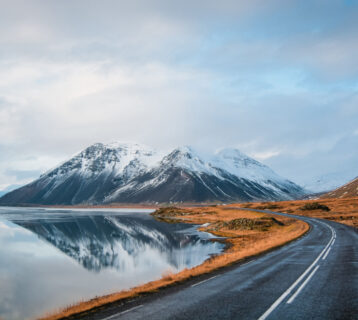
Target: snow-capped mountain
(88, 176)
(132, 173)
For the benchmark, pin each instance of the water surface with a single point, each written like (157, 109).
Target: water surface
(53, 257)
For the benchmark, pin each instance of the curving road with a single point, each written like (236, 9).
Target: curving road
(314, 277)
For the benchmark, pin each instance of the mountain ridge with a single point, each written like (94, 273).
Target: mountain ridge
(134, 173)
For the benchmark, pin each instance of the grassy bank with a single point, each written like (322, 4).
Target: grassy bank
(247, 234)
(339, 210)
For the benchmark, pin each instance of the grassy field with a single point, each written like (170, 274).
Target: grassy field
(247, 234)
(339, 210)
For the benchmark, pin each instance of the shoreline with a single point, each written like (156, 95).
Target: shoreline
(240, 245)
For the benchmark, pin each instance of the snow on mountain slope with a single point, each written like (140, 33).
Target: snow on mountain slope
(88, 176)
(234, 161)
(120, 158)
(186, 175)
(187, 158)
(123, 172)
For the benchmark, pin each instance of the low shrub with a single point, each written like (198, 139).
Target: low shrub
(268, 206)
(314, 206)
(170, 211)
(262, 224)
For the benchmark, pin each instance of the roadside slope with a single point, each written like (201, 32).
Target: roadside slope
(348, 190)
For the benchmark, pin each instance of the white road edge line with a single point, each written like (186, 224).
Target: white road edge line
(302, 285)
(195, 284)
(327, 252)
(123, 312)
(245, 264)
(288, 291)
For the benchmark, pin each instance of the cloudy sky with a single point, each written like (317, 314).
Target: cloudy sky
(276, 79)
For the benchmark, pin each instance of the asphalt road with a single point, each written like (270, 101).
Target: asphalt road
(314, 277)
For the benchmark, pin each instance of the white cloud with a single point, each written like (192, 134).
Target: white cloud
(248, 74)
(265, 154)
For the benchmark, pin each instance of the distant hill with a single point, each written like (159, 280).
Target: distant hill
(346, 191)
(132, 173)
(329, 181)
(8, 189)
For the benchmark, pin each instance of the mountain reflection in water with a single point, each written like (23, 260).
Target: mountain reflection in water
(121, 242)
(51, 258)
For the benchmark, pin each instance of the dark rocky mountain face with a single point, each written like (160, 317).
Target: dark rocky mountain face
(132, 173)
(178, 185)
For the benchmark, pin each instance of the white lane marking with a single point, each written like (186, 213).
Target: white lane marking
(245, 264)
(327, 252)
(288, 291)
(123, 312)
(333, 242)
(195, 284)
(302, 286)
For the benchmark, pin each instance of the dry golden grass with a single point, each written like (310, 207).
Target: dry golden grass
(242, 244)
(344, 210)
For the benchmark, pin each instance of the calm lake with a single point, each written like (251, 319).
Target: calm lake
(50, 258)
